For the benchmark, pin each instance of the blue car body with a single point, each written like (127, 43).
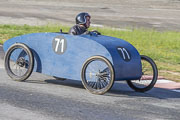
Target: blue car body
(66, 61)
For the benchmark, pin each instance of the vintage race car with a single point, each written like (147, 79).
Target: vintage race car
(95, 59)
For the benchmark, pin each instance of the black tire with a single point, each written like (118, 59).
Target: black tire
(22, 58)
(148, 78)
(102, 78)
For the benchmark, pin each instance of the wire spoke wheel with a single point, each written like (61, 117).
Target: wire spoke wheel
(19, 62)
(148, 78)
(97, 75)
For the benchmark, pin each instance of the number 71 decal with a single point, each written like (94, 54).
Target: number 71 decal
(124, 54)
(59, 44)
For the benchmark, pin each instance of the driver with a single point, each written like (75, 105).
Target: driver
(82, 24)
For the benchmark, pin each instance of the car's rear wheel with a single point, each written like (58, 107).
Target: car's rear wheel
(19, 62)
(148, 78)
(97, 75)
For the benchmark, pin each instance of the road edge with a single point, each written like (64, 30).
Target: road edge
(1, 56)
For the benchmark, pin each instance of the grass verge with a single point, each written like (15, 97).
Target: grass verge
(162, 47)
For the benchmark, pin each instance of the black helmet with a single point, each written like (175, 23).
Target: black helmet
(81, 18)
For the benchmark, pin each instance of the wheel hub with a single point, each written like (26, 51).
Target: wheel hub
(101, 76)
(21, 62)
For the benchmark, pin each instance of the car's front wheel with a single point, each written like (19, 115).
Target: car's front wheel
(97, 75)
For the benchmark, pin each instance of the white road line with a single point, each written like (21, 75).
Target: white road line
(176, 90)
(97, 25)
(173, 10)
(148, 17)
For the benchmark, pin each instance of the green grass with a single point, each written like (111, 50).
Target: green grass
(163, 47)
(9, 31)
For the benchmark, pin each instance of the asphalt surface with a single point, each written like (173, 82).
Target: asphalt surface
(156, 14)
(45, 98)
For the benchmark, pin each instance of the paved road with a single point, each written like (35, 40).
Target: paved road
(1, 57)
(42, 96)
(45, 98)
(157, 14)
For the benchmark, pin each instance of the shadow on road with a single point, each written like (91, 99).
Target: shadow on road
(118, 89)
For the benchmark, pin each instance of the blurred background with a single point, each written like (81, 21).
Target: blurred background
(156, 14)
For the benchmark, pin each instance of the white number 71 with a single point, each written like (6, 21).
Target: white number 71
(59, 41)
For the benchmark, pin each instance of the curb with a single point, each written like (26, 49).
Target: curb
(168, 84)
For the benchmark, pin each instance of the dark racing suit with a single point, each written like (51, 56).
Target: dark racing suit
(78, 30)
